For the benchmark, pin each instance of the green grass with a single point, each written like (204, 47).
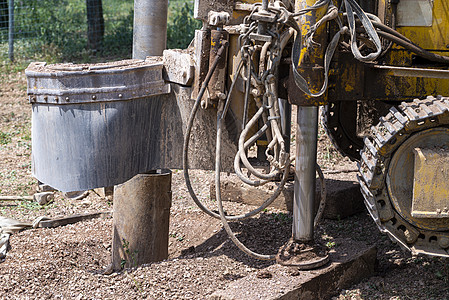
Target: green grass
(5, 138)
(56, 31)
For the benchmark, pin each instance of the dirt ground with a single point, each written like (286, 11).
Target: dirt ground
(67, 262)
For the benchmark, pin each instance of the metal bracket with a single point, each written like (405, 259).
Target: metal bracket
(203, 7)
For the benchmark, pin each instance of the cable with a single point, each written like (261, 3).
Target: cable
(323, 199)
(415, 49)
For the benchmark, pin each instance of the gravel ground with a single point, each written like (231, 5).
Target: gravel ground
(67, 262)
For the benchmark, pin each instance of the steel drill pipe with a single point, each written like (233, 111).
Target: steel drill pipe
(304, 190)
(150, 28)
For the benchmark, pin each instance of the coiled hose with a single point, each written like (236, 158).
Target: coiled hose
(192, 116)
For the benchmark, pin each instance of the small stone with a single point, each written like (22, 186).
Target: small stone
(45, 188)
(77, 195)
(264, 274)
(293, 271)
(43, 198)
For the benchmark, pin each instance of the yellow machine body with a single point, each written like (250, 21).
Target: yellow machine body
(393, 177)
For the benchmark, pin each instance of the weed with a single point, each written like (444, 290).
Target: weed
(175, 235)
(137, 283)
(5, 138)
(29, 205)
(130, 254)
(122, 263)
(281, 217)
(330, 244)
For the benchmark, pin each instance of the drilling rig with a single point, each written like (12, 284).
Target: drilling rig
(378, 68)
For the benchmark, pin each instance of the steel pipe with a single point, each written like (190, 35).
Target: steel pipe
(304, 189)
(150, 28)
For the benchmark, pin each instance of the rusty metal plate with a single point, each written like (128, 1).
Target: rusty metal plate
(179, 66)
(431, 183)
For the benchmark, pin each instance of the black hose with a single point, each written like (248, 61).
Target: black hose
(414, 48)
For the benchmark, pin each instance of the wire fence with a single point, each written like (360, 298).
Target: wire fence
(79, 29)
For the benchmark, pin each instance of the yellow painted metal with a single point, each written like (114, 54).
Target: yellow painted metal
(431, 183)
(433, 38)
(234, 58)
(238, 15)
(436, 36)
(351, 79)
(306, 22)
(312, 58)
(406, 88)
(401, 174)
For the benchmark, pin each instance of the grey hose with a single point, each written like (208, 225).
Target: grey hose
(223, 218)
(186, 147)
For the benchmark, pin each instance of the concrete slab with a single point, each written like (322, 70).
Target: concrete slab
(351, 261)
(343, 194)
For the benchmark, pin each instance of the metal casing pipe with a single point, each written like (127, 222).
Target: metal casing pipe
(304, 193)
(11, 29)
(150, 28)
(141, 219)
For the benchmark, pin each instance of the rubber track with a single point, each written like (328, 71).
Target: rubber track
(387, 136)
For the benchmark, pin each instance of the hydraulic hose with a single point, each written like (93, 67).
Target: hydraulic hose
(223, 218)
(280, 161)
(187, 140)
(414, 48)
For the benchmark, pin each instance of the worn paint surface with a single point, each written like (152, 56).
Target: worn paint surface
(311, 58)
(401, 174)
(352, 80)
(435, 36)
(431, 183)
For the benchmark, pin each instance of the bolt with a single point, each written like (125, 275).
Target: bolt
(94, 97)
(410, 237)
(120, 95)
(67, 99)
(443, 242)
